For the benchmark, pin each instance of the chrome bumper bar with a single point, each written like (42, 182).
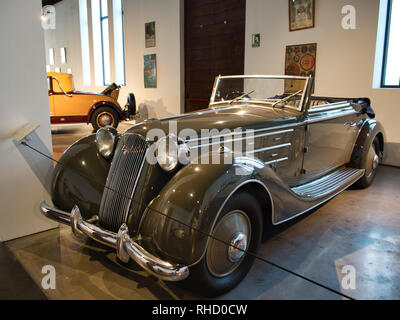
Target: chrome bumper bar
(121, 241)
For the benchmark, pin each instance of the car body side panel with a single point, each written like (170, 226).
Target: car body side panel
(177, 222)
(80, 103)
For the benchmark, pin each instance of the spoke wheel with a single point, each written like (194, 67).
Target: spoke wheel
(104, 116)
(234, 228)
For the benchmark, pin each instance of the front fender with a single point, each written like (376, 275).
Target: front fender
(177, 222)
(79, 178)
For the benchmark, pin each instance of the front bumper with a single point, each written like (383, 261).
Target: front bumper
(121, 241)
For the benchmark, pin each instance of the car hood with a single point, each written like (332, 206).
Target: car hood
(235, 116)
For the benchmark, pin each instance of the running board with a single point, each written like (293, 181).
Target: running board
(321, 187)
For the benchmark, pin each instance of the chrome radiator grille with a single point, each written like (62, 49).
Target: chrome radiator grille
(122, 179)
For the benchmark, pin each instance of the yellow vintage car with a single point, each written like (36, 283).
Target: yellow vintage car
(99, 109)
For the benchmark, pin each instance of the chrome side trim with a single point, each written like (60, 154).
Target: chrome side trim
(330, 106)
(276, 161)
(269, 148)
(223, 205)
(234, 140)
(240, 133)
(121, 241)
(334, 116)
(282, 128)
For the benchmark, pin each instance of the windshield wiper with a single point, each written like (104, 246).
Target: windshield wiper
(242, 96)
(286, 98)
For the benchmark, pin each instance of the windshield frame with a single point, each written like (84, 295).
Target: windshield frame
(219, 78)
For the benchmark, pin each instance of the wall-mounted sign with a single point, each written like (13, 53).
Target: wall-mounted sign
(150, 71)
(256, 40)
(301, 14)
(300, 60)
(150, 34)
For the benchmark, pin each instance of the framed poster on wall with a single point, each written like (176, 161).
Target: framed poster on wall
(300, 60)
(256, 40)
(150, 71)
(301, 14)
(150, 34)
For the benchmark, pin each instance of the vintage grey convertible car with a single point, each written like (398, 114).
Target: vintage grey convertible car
(276, 152)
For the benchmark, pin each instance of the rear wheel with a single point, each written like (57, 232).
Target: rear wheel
(370, 165)
(224, 266)
(104, 116)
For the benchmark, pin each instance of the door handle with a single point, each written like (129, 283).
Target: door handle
(350, 124)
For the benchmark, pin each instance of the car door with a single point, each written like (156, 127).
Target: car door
(331, 132)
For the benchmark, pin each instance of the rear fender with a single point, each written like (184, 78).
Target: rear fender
(106, 103)
(369, 130)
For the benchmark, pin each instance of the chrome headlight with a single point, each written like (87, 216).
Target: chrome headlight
(171, 151)
(105, 140)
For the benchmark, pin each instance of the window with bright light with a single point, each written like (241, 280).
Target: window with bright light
(101, 42)
(391, 62)
(83, 20)
(119, 51)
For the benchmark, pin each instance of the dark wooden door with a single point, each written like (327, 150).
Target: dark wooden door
(214, 45)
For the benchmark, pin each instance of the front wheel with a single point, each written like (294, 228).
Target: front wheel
(370, 165)
(238, 230)
(104, 116)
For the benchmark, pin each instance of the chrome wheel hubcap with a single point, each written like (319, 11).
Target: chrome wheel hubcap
(105, 119)
(238, 246)
(234, 229)
(373, 161)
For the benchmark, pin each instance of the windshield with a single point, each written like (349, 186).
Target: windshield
(272, 90)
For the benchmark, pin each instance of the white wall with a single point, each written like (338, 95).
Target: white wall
(66, 35)
(23, 92)
(167, 98)
(345, 58)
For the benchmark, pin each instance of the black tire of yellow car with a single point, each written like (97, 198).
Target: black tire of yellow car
(201, 280)
(368, 177)
(101, 111)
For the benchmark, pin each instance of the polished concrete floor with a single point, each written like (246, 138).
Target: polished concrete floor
(15, 282)
(360, 228)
